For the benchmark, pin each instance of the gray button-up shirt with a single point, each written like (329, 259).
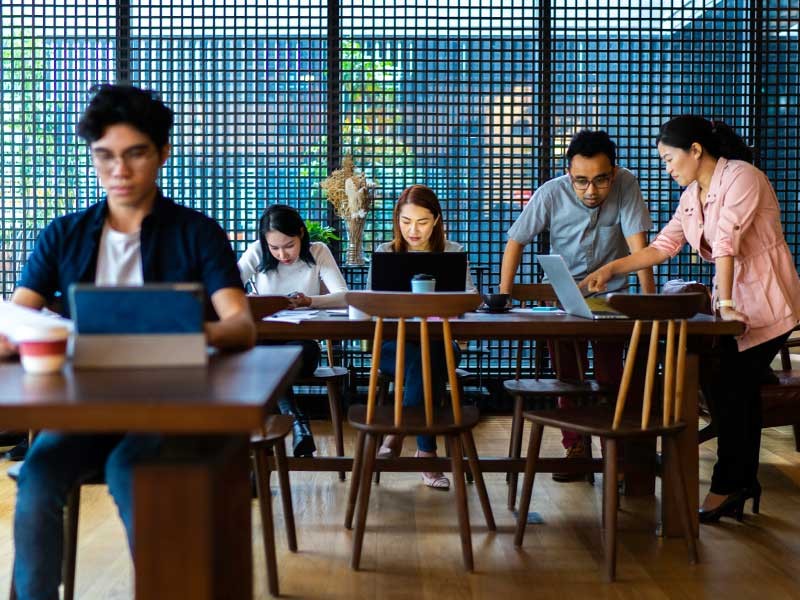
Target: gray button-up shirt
(587, 238)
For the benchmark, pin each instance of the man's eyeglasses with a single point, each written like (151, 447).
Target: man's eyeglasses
(131, 158)
(600, 182)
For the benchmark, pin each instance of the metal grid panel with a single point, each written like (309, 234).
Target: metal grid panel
(477, 99)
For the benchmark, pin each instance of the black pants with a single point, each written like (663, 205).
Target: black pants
(310, 361)
(737, 412)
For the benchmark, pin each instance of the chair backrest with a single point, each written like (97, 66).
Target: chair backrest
(674, 309)
(403, 306)
(542, 294)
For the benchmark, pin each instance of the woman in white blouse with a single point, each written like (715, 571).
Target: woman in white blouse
(284, 261)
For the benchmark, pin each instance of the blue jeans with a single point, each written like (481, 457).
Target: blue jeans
(413, 394)
(54, 465)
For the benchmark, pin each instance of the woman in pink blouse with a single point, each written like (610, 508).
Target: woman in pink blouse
(730, 215)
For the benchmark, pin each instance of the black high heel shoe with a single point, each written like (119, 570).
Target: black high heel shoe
(754, 492)
(732, 506)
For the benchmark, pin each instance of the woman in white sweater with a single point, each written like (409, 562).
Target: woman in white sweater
(284, 261)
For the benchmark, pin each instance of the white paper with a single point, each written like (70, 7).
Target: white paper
(13, 317)
(292, 316)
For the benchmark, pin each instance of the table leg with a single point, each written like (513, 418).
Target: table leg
(192, 520)
(688, 449)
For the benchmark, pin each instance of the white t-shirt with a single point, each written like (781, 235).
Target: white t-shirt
(119, 258)
(297, 277)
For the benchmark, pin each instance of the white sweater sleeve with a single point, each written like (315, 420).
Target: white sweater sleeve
(332, 277)
(250, 261)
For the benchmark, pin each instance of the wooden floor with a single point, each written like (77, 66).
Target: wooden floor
(411, 548)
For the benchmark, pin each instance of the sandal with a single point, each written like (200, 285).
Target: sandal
(391, 447)
(437, 481)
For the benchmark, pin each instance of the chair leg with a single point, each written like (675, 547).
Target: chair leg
(265, 508)
(468, 441)
(796, 429)
(610, 500)
(461, 500)
(335, 402)
(363, 501)
(678, 486)
(517, 427)
(587, 443)
(534, 446)
(71, 513)
(355, 479)
(286, 494)
(378, 471)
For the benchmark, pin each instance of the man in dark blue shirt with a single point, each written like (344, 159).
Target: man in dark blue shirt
(134, 236)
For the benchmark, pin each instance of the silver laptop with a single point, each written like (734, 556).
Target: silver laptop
(569, 294)
(153, 325)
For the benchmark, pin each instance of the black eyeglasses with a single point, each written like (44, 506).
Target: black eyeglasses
(600, 182)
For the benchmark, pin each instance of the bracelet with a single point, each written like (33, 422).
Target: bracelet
(726, 304)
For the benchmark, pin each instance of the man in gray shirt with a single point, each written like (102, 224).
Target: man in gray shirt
(595, 214)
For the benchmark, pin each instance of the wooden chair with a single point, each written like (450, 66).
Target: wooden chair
(613, 424)
(331, 377)
(372, 421)
(538, 389)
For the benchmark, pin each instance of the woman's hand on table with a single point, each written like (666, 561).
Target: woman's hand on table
(299, 300)
(728, 313)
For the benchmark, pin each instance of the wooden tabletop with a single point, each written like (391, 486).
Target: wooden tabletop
(232, 394)
(516, 324)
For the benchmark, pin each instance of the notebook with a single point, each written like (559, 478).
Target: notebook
(153, 325)
(569, 294)
(392, 271)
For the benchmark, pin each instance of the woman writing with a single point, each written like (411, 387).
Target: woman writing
(730, 215)
(284, 261)
(418, 227)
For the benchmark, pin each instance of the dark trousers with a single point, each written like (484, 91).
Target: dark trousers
(737, 412)
(310, 361)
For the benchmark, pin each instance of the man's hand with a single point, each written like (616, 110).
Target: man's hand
(597, 281)
(7, 348)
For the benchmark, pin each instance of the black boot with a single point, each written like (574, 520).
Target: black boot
(302, 440)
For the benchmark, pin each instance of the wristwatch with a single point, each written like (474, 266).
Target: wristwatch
(726, 304)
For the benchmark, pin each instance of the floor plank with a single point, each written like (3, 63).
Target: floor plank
(411, 546)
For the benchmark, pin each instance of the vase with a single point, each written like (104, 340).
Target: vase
(354, 254)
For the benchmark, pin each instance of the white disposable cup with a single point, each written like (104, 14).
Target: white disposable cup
(356, 314)
(42, 349)
(423, 286)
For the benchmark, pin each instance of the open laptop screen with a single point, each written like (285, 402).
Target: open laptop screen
(392, 271)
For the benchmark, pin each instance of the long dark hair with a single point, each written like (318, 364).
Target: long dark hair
(287, 221)
(716, 137)
(423, 196)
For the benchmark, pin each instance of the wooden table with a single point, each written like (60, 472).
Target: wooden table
(517, 324)
(192, 507)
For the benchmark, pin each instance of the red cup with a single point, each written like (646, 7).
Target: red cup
(42, 349)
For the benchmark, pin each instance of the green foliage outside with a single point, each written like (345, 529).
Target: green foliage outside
(369, 120)
(34, 183)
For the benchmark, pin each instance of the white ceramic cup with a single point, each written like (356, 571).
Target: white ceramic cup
(423, 286)
(42, 348)
(356, 314)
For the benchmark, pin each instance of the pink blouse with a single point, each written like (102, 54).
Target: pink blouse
(741, 218)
